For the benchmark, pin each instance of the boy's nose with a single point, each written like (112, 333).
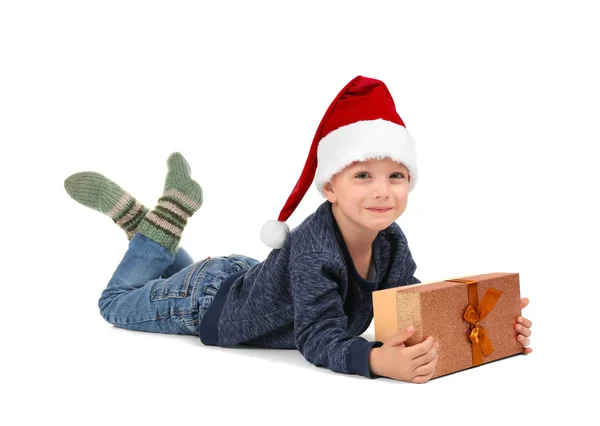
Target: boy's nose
(382, 190)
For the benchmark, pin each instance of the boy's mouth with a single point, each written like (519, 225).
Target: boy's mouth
(379, 210)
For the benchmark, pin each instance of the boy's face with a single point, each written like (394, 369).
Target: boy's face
(367, 185)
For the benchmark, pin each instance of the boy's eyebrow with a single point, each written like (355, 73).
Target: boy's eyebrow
(357, 165)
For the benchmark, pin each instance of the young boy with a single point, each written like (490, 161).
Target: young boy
(314, 290)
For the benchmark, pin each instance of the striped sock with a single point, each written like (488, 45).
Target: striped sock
(100, 193)
(181, 198)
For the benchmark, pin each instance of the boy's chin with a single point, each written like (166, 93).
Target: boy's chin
(380, 226)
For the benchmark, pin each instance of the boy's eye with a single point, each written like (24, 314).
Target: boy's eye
(362, 175)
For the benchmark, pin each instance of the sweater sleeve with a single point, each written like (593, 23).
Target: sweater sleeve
(320, 322)
(412, 280)
(410, 268)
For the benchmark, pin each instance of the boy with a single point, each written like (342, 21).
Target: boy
(313, 292)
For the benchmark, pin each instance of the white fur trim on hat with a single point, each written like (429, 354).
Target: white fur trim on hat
(274, 233)
(364, 140)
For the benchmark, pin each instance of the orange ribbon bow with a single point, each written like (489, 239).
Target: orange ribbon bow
(475, 313)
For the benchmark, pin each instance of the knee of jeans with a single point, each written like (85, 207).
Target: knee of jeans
(104, 304)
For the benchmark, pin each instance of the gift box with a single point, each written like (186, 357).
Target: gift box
(472, 318)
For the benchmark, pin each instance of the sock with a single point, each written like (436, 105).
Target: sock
(100, 193)
(181, 198)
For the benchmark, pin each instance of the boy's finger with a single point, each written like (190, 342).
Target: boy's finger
(527, 350)
(523, 330)
(524, 340)
(422, 348)
(524, 302)
(525, 322)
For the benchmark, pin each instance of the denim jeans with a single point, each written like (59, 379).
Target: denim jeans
(157, 291)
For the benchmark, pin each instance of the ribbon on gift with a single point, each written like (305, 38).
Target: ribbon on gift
(476, 312)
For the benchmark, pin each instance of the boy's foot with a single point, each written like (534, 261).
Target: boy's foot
(100, 193)
(181, 198)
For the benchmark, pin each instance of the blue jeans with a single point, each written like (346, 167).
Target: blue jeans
(157, 291)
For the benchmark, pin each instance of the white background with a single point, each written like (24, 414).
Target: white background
(502, 99)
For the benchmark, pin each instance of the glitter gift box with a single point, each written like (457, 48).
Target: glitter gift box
(472, 318)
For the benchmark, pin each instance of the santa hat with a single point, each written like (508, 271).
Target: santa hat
(361, 123)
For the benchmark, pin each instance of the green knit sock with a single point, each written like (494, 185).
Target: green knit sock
(100, 193)
(181, 198)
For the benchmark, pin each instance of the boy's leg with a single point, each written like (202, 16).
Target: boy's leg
(182, 260)
(99, 193)
(136, 297)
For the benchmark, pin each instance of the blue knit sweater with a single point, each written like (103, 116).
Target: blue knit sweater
(308, 296)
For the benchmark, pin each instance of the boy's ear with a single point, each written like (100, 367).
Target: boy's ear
(328, 191)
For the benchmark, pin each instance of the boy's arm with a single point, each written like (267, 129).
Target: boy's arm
(320, 321)
(410, 268)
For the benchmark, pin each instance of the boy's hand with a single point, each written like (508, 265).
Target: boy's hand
(407, 363)
(523, 328)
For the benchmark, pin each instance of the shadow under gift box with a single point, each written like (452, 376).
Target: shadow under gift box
(491, 303)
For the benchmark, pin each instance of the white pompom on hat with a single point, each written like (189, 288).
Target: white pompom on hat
(361, 123)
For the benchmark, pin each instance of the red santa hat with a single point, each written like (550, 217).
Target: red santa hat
(361, 123)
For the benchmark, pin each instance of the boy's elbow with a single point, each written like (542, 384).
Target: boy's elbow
(413, 280)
